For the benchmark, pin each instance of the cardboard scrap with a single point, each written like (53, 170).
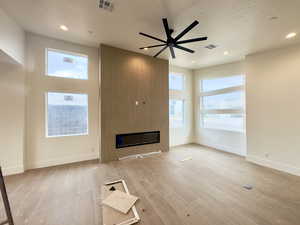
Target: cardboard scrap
(120, 201)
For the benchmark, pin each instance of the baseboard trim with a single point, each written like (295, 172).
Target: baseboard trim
(184, 141)
(62, 161)
(12, 170)
(137, 156)
(220, 147)
(179, 144)
(274, 165)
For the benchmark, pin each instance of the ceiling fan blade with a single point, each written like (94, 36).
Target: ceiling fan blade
(160, 51)
(172, 52)
(166, 26)
(153, 46)
(184, 49)
(195, 23)
(192, 40)
(149, 36)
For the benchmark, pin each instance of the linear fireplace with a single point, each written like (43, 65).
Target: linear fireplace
(135, 139)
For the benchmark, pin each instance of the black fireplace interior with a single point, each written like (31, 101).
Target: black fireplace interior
(135, 139)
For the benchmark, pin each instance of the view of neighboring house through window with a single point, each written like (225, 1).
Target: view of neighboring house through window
(222, 103)
(67, 114)
(176, 113)
(67, 65)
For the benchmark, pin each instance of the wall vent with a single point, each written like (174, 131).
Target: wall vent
(106, 5)
(210, 47)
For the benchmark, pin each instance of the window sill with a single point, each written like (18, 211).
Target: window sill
(223, 130)
(71, 135)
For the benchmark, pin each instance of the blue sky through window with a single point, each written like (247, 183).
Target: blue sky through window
(176, 82)
(66, 65)
(221, 83)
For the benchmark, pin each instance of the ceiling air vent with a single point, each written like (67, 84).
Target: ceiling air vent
(106, 4)
(210, 47)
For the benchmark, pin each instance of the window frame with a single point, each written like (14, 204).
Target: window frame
(68, 53)
(222, 111)
(223, 88)
(183, 82)
(183, 113)
(46, 115)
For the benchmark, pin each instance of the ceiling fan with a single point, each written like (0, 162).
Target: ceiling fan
(173, 42)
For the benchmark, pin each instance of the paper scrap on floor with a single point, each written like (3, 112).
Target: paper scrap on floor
(120, 201)
(186, 159)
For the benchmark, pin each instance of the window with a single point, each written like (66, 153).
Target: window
(232, 100)
(232, 122)
(223, 108)
(67, 114)
(222, 83)
(67, 65)
(176, 113)
(176, 82)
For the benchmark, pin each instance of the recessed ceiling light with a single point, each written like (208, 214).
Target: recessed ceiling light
(63, 27)
(290, 35)
(226, 53)
(145, 49)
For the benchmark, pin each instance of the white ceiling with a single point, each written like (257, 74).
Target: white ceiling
(240, 27)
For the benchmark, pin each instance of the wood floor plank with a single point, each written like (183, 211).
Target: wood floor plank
(206, 190)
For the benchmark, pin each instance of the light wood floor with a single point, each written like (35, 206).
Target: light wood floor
(206, 190)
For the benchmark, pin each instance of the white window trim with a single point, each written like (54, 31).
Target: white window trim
(46, 115)
(221, 111)
(69, 53)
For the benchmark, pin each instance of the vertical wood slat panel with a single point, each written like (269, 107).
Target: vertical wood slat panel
(127, 77)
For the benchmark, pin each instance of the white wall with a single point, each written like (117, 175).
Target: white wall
(42, 151)
(180, 136)
(273, 111)
(12, 95)
(234, 142)
(12, 38)
(12, 113)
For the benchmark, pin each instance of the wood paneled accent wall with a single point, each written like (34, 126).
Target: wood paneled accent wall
(134, 98)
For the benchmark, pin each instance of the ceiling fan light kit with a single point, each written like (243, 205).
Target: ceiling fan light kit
(173, 42)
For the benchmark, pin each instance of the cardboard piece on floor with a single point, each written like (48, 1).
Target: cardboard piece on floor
(111, 216)
(120, 201)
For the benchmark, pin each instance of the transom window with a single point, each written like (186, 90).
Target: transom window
(176, 81)
(222, 83)
(67, 114)
(66, 64)
(222, 103)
